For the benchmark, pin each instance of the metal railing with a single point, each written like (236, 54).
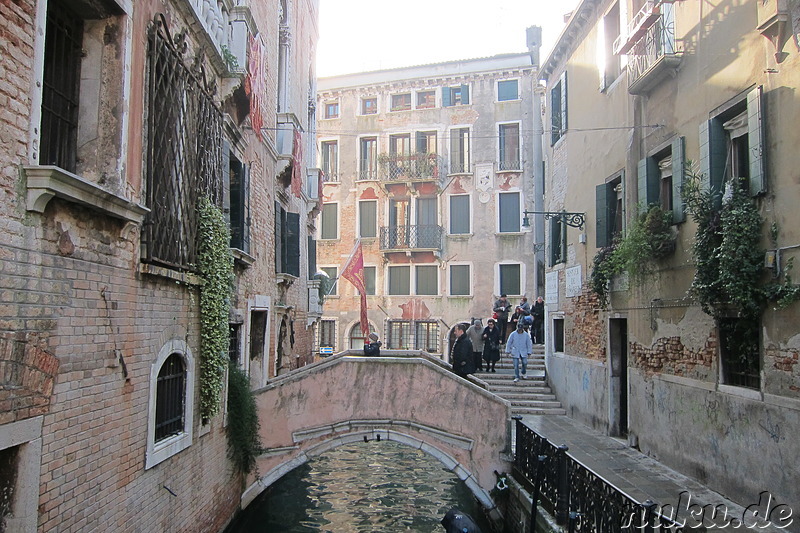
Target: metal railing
(411, 237)
(417, 166)
(577, 496)
(657, 42)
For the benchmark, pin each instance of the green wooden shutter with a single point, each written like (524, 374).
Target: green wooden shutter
(648, 183)
(712, 158)
(678, 173)
(465, 94)
(293, 244)
(446, 97)
(755, 142)
(278, 237)
(312, 257)
(602, 238)
(563, 102)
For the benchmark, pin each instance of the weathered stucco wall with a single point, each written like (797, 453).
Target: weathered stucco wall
(581, 385)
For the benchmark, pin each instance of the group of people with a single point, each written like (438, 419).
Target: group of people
(475, 347)
(530, 316)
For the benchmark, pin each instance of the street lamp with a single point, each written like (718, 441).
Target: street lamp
(576, 220)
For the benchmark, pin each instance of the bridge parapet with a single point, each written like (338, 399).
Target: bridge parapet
(408, 397)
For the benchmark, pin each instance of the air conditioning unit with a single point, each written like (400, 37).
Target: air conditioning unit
(773, 23)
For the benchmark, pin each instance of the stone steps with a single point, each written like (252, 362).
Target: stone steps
(530, 396)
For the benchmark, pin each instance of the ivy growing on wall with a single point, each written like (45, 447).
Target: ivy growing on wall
(215, 265)
(243, 440)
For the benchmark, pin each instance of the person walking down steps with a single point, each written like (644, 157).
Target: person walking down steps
(491, 345)
(519, 347)
(475, 333)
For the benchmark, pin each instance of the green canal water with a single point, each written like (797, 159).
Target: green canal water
(362, 487)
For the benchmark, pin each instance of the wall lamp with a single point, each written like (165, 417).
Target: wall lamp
(576, 220)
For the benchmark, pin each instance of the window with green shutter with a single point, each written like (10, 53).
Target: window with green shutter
(507, 90)
(509, 212)
(511, 279)
(399, 280)
(426, 280)
(660, 179)
(330, 221)
(367, 218)
(460, 280)
(459, 214)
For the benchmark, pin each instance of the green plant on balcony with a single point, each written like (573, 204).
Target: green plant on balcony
(230, 59)
(647, 240)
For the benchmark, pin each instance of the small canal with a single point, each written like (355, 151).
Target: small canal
(362, 487)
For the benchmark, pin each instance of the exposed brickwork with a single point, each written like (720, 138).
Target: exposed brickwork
(670, 356)
(27, 374)
(587, 337)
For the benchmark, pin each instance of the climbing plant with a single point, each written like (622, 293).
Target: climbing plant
(242, 430)
(649, 238)
(215, 265)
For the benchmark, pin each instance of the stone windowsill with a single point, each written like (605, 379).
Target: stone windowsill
(48, 182)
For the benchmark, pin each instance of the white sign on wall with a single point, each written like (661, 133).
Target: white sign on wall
(551, 287)
(574, 281)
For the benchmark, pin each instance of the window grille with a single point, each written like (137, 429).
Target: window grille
(184, 150)
(427, 336)
(170, 397)
(60, 90)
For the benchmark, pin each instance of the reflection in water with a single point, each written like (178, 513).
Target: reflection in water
(360, 487)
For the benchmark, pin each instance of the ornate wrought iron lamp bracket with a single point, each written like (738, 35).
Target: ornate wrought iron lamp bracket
(576, 220)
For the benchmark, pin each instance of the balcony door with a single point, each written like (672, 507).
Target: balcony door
(399, 222)
(426, 219)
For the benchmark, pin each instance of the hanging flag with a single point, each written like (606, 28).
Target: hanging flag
(353, 271)
(255, 85)
(297, 164)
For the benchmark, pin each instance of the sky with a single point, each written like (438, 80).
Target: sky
(364, 35)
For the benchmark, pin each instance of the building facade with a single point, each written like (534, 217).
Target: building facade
(121, 120)
(427, 167)
(680, 114)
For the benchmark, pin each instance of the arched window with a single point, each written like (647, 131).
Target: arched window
(356, 337)
(171, 409)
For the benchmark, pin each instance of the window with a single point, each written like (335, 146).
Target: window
(329, 156)
(739, 352)
(558, 109)
(239, 214)
(330, 221)
(357, 338)
(235, 343)
(558, 335)
(459, 151)
(171, 407)
(398, 335)
(509, 213)
(287, 241)
(507, 90)
(460, 282)
(427, 336)
(660, 179)
(401, 102)
(452, 96)
(333, 274)
(609, 64)
(332, 110)
(510, 279)
(732, 144)
(368, 157)
(367, 218)
(399, 280)
(610, 213)
(459, 214)
(327, 334)
(426, 99)
(426, 142)
(558, 241)
(369, 106)
(258, 333)
(370, 273)
(509, 147)
(427, 280)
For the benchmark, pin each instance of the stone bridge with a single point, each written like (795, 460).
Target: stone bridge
(403, 396)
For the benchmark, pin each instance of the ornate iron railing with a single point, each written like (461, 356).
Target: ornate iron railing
(411, 237)
(657, 42)
(184, 150)
(417, 166)
(573, 493)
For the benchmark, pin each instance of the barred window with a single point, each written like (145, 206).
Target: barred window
(170, 397)
(427, 336)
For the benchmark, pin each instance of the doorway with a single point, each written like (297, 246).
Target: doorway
(618, 382)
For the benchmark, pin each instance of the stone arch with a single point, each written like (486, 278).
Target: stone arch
(358, 435)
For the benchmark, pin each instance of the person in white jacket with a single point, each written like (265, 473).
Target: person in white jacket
(519, 346)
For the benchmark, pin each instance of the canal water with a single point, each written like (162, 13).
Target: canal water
(378, 486)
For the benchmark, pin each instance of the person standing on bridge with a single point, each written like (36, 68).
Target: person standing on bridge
(461, 355)
(373, 346)
(520, 347)
(491, 345)
(475, 333)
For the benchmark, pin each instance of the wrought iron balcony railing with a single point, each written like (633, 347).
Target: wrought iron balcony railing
(509, 165)
(428, 237)
(417, 166)
(654, 55)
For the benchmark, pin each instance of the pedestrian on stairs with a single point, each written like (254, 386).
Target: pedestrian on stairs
(475, 333)
(461, 354)
(520, 347)
(491, 345)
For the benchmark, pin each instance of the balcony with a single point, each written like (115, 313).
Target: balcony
(411, 238)
(654, 57)
(414, 167)
(637, 27)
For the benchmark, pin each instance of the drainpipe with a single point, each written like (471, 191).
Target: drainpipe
(534, 38)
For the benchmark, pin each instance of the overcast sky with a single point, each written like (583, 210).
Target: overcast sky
(363, 35)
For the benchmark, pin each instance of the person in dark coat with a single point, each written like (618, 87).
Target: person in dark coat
(373, 346)
(475, 334)
(461, 355)
(501, 308)
(537, 331)
(491, 345)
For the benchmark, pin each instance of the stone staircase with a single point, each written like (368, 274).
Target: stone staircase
(531, 396)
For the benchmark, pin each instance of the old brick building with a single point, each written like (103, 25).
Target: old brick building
(117, 118)
(644, 97)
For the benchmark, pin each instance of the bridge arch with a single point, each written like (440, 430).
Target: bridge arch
(408, 397)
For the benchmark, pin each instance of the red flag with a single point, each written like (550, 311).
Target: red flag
(256, 82)
(353, 272)
(297, 165)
